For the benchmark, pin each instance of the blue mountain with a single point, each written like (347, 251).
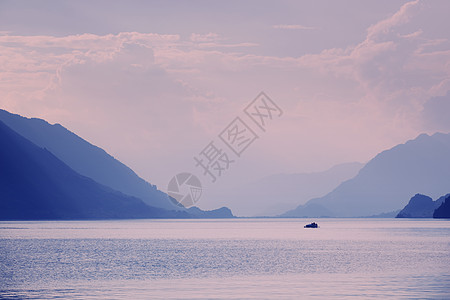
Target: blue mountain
(420, 206)
(386, 182)
(274, 194)
(86, 159)
(36, 185)
(443, 211)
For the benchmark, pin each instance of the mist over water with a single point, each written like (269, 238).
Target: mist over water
(251, 258)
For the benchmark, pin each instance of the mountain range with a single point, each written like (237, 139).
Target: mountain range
(47, 172)
(85, 158)
(35, 185)
(386, 182)
(274, 194)
(421, 206)
(443, 211)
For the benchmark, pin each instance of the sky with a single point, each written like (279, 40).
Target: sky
(154, 82)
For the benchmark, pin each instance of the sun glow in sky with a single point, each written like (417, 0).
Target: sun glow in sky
(153, 82)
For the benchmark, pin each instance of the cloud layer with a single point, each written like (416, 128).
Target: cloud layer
(155, 100)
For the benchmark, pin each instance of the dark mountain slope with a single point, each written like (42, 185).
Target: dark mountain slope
(443, 211)
(420, 206)
(86, 159)
(386, 182)
(36, 185)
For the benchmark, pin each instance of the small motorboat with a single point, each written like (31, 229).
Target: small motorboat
(312, 225)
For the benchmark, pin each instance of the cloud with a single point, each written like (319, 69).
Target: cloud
(155, 99)
(402, 16)
(293, 26)
(209, 37)
(213, 40)
(32, 66)
(391, 69)
(412, 35)
(222, 45)
(87, 41)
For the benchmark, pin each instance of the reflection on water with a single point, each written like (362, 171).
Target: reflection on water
(250, 258)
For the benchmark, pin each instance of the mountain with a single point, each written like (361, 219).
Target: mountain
(420, 206)
(391, 214)
(272, 195)
(86, 159)
(421, 166)
(443, 211)
(308, 210)
(36, 185)
(219, 213)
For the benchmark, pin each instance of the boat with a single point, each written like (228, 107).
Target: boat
(312, 225)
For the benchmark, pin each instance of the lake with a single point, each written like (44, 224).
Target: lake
(232, 259)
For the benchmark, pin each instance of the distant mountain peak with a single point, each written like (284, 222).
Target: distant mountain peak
(86, 158)
(36, 185)
(274, 194)
(421, 165)
(73, 172)
(421, 206)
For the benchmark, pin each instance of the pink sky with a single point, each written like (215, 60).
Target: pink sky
(154, 84)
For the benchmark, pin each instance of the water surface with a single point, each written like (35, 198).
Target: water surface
(248, 258)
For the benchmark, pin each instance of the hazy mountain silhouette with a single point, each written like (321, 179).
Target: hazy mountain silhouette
(420, 206)
(36, 185)
(386, 182)
(223, 212)
(273, 195)
(443, 211)
(391, 214)
(307, 210)
(86, 159)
